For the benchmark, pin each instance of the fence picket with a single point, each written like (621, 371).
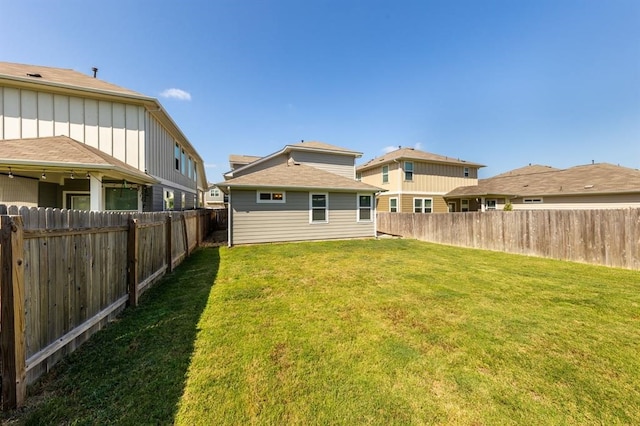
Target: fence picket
(608, 237)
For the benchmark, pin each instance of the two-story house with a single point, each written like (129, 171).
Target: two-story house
(71, 140)
(416, 181)
(305, 191)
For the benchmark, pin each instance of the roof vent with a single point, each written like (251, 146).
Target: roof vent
(95, 71)
(588, 186)
(35, 74)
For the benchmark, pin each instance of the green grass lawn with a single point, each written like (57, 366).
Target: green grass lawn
(361, 332)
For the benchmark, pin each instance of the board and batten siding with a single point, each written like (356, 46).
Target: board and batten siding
(254, 222)
(266, 164)
(438, 177)
(115, 128)
(342, 165)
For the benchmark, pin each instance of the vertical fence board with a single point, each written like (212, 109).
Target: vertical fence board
(12, 305)
(604, 237)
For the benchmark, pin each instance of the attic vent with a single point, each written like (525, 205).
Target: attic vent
(34, 75)
(588, 186)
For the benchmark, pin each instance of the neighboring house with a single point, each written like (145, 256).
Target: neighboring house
(214, 198)
(535, 187)
(305, 191)
(416, 181)
(69, 140)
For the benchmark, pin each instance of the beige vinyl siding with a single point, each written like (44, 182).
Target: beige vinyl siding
(271, 222)
(339, 164)
(605, 201)
(374, 177)
(438, 177)
(405, 201)
(18, 191)
(382, 203)
(114, 128)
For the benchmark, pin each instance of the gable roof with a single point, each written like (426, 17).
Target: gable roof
(296, 176)
(242, 160)
(61, 77)
(528, 170)
(302, 146)
(600, 178)
(414, 154)
(64, 154)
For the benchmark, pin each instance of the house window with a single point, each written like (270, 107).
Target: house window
(318, 209)
(393, 205)
(176, 154)
(190, 169)
(385, 174)
(532, 200)
(270, 197)
(365, 206)
(358, 175)
(466, 172)
(214, 192)
(492, 204)
(121, 199)
(452, 206)
(183, 162)
(464, 205)
(422, 205)
(408, 170)
(183, 201)
(168, 200)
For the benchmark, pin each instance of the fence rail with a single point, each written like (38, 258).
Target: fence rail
(601, 237)
(66, 273)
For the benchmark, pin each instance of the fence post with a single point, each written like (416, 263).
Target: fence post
(12, 338)
(169, 243)
(186, 235)
(132, 261)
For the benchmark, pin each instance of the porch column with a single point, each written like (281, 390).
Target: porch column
(482, 204)
(97, 199)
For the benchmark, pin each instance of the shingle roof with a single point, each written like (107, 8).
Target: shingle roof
(242, 159)
(62, 151)
(324, 146)
(598, 178)
(61, 77)
(297, 176)
(527, 170)
(414, 154)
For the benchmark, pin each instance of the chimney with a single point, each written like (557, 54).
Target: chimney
(95, 71)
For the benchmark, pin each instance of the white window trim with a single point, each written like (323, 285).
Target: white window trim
(462, 205)
(385, 174)
(405, 171)
(465, 172)
(326, 208)
(533, 200)
(422, 207)
(372, 198)
(495, 200)
(259, 201)
(397, 208)
(81, 193)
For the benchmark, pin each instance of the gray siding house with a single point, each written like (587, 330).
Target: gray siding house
(305, 191)
(70, 140)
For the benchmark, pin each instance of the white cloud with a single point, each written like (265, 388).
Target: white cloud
(176, 94)
(389, 148)
(211, 166)
(418, 145)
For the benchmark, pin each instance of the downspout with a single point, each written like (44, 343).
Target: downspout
(375, 214)
(229, 221)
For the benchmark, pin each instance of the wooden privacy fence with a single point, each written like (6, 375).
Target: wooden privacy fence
(66, 273)
(601, 237)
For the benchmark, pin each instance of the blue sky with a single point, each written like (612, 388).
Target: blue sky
(503, 83)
